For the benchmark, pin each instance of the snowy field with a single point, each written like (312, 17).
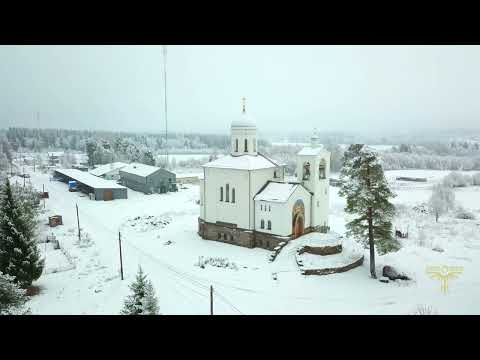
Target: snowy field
(159, 233)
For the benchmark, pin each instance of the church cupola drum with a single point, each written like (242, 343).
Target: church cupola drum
(244, 134)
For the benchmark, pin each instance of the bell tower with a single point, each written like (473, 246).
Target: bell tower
(313, 172)
(244, 134)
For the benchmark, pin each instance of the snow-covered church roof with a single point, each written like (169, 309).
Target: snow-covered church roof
(243, 162)
(277, 192)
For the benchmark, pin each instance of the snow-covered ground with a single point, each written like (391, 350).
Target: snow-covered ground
(159, 233)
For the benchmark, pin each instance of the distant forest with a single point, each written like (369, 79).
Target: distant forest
(454, 153)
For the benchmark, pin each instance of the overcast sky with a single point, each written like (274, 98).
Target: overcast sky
(288, 88)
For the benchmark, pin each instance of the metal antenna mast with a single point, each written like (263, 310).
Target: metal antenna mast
(165, 101)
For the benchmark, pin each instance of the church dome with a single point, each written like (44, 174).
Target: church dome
(245, 121)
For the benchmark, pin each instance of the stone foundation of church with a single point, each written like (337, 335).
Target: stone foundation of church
(230, 234)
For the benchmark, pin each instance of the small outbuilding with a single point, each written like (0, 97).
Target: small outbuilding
(147, 179)
(89, 184)
(108, 171)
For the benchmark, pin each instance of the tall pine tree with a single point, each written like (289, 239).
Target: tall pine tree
(19, 254)
(367, 194)
(142, 301)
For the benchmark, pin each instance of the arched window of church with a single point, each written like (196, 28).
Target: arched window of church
(275, 174)
(321, 169)
(236, 145)
(269, 208)
(221, 193)
(261, 207)
(262, 224)
(246, 145)
(306, 171)
(227, 193)
(269, 225)
(254, 145)
(233, 195)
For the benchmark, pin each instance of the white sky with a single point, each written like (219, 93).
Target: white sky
(288, 88)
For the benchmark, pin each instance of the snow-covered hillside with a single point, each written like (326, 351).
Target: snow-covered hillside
(159, 233)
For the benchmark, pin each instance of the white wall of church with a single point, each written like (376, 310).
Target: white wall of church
(242, 135)
(216, 210)
(258, 179)
(280, 214)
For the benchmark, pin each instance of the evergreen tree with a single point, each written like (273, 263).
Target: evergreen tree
(142, 301)
(91, 147)
(148, 158)
(367, 194)
(12, 297)
(19, 254)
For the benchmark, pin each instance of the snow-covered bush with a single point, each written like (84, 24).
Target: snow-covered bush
(462, 213)
(421, 238)
(217, 262)
(12, 297)
(455, 179)
(424, 310)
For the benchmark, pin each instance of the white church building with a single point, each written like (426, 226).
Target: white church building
(245, 199)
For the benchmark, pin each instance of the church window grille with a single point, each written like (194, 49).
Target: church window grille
(261, 207)
(275, 174)
(221, 193)
(269, 208)
(246, 145)
(269, 225)
(262, 224)
(225, 236)
(233, 195)
(236, 145)
(227, 193)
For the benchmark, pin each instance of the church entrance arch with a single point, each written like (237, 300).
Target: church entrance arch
(298, 219)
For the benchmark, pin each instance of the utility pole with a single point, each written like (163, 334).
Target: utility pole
(78, 222)
(120, 247)
(164, 48)
(211, 300)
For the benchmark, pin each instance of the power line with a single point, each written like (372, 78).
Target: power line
(164, 48)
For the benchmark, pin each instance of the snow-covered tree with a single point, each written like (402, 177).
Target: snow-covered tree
(12, 297)
(142, 301)
(148, 158)
(476, 179)
(19, 254)
(441, 200)
(455, 179)
(367, 194)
